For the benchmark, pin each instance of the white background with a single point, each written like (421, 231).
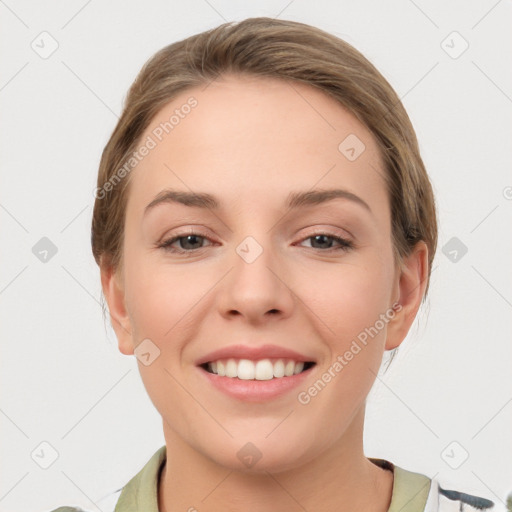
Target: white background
(63, 380)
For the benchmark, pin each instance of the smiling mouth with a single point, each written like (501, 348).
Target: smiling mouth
(263, 369)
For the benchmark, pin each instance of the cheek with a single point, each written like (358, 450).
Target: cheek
(350, 297)
(161, 304)
(163, 300)
(348, 311)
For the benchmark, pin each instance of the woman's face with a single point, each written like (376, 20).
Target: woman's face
(266, 268)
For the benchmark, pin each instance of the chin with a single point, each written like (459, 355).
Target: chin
(260, 457)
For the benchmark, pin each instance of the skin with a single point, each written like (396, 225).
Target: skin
(250, 142)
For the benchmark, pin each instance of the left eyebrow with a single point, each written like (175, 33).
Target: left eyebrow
(313, 197)
(295, 199)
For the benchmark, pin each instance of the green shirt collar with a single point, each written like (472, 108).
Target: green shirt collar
(410, 490)
(141, 492)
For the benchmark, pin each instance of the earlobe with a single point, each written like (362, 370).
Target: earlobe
(411, 286)
(119, 318)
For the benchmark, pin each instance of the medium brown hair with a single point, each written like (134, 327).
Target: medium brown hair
(279, 49)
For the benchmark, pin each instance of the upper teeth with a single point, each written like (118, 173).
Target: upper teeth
(264, 369)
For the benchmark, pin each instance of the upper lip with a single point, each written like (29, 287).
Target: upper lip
(253, 353)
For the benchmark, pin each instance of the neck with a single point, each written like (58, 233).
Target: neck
(339, 479)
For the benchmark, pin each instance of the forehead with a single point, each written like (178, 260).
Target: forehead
(246, 138)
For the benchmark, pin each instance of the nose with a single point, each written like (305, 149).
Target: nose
(256, 289)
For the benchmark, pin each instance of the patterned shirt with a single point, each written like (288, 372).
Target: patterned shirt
(412, 492)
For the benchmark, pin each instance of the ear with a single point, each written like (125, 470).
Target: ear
(410, 288)
(113, 290)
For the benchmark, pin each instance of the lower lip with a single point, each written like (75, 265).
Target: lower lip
(255, 390)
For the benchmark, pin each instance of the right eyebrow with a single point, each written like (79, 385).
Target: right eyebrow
(194, 199)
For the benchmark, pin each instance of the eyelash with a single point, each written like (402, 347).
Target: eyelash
(344, 244)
